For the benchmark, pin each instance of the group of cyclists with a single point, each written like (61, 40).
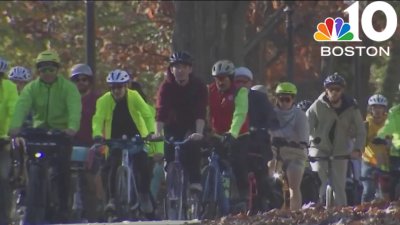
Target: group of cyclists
(231, 108)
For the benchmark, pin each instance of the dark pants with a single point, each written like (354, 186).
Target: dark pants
(189, 156)
(140, 168)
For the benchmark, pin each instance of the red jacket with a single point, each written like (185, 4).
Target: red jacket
(222, 108)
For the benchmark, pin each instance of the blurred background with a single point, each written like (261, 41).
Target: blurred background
(273, 38)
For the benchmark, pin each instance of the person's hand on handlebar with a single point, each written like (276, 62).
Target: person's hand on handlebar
(69, 132)
(18, 142)
(14, 132)
(98, 140)
(196, 136)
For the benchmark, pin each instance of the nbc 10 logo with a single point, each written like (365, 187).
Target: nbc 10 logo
(336, 30)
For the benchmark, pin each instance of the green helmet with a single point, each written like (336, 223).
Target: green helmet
(286, 88)
(48, 56)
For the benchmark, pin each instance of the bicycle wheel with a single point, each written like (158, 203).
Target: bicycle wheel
(124, 198)
(329, 199)
(193, 206)
(174, 199)
(36, 195)
(209, 196)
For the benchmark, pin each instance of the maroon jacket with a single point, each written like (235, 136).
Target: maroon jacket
(84, 136)
(179, 107)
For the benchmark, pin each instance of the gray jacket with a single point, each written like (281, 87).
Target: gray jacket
(335, 129)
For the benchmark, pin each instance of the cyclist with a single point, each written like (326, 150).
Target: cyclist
(261, 113)
(82, 76)
(228, 107)
(8, 98)
(181, 112)
(293, 128)
(335, 119)
(391, 132)
(374, 157)
(55, 104)
(21, 76)
(119, 112)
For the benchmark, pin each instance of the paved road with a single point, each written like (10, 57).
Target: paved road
(164, 222)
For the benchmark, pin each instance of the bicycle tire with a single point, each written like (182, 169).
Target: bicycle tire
(209, 196)
(329, 199)
(125, 197)
(174, 201)
(36, 198)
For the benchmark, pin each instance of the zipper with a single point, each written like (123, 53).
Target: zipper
(47, 107)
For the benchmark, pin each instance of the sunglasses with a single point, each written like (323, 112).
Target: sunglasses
(332, 89)
(285, 99)
(47, 69)
(82, 79)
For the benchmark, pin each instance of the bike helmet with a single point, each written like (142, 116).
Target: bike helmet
(244, 72)
(81, 69)
(223, 67)
(260, 88)
(180, 57)
(304, 105)
(48, 56)
(3, 65)
(286, 88)
(19, 73)
(118, 76)
(334, 79)
(377, 99)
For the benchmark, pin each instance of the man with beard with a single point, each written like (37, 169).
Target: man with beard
(335, 118)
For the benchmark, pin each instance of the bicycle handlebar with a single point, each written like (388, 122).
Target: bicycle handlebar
(176, 143)
(328, 158)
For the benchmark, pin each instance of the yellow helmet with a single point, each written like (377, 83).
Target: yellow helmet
(48, 56)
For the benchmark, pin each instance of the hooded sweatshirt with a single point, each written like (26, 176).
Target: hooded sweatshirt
(293, 125)
(335, 127)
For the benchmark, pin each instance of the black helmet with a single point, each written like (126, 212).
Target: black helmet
(304, 105)
(180, 57)
(334, 79)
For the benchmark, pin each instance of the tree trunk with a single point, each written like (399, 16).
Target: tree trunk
(392, 79)
(210, 31)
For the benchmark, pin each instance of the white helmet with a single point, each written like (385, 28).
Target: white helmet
(81, 69)
(118, 76)
(3, 65)
(378, 100)
(19, 73)
(244, 71)
(223, 67)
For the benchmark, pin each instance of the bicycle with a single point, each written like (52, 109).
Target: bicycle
(78, 161)
(127, 195)
(216, 182)
(41, 148)
(181, 202)
(329, 198)
(17, 182)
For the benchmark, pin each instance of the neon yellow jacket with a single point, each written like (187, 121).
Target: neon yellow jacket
(392, 128)
(8, 98)
(138, 108)
(54, 106)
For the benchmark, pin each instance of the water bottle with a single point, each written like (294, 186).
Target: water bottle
(226, 184)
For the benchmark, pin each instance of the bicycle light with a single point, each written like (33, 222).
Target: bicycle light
(276, 175)
(38, 155)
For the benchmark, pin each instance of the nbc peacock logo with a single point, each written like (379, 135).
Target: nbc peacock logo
(333, 30)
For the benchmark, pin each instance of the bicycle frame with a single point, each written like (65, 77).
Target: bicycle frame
(216, 192)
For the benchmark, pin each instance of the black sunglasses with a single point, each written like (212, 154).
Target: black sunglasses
(284, 99)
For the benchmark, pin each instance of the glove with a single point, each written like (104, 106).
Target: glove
(227, 140)
(379, 141)
(98, 139)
